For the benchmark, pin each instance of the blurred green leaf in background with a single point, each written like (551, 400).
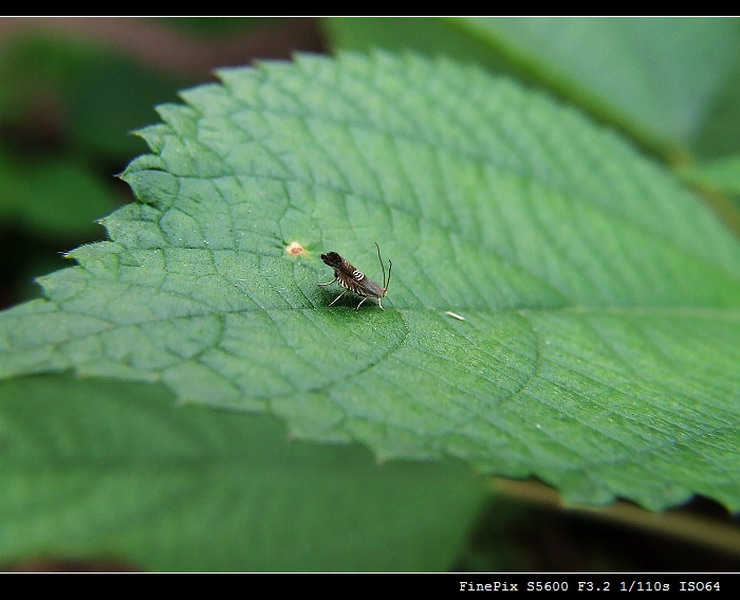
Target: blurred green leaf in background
(668, 82)
(201, 490)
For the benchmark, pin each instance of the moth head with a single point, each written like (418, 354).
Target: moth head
(332, 259)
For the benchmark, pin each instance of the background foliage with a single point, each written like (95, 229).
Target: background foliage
(64, 489)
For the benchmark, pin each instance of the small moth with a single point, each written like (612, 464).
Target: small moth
(356, 281)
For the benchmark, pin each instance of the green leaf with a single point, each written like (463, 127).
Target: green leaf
(649, 76)
(598, 349)
(119, 471)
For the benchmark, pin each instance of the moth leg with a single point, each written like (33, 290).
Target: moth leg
(338, 297)
(380, 304)
(361, 301)
(328, 282)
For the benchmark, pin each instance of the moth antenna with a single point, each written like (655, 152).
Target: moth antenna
(390, 267)
(380, 260)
